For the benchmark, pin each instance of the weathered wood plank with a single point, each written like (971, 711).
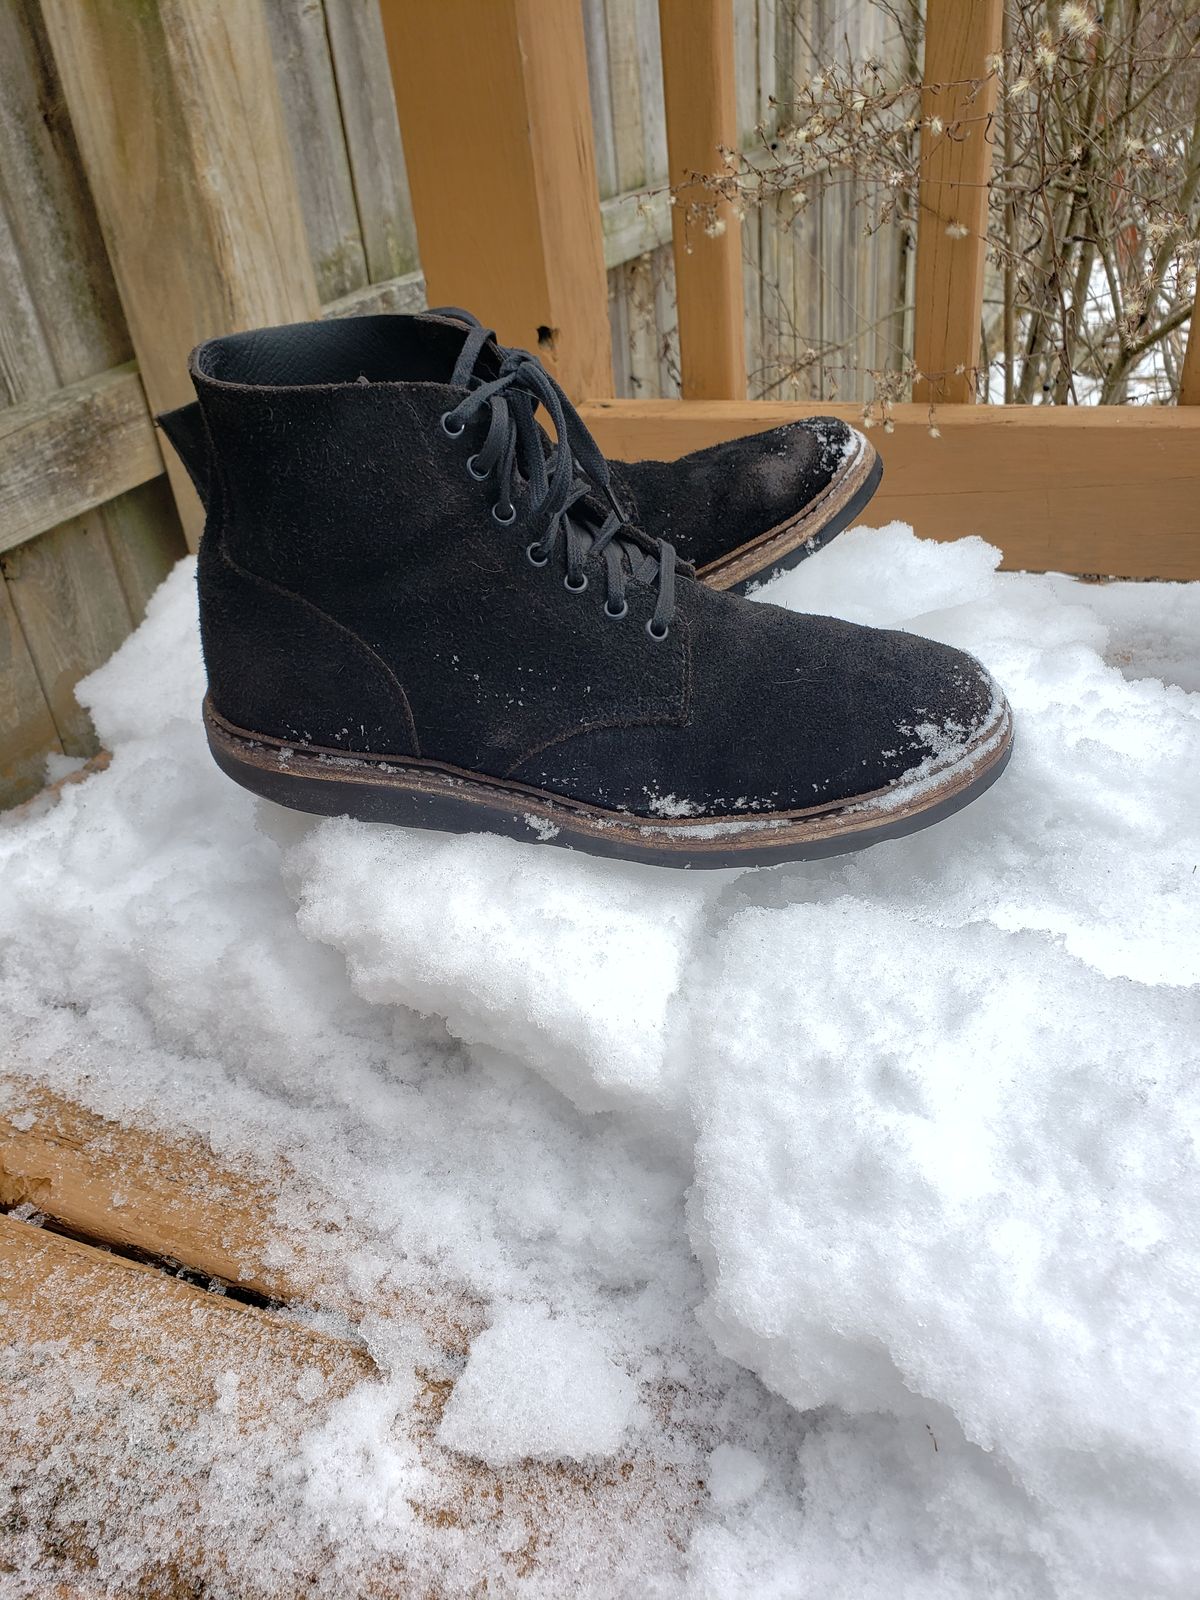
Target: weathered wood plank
(1084, 489)
(956, 162)
(507, 210)
(146, 540)
(146, 1347)
(701, 102)
(625, 87)
(56, 275)
(308, 96)
(73, 612)
(1189, 381)
(72, 450)
(394, 295)
(178, 120)
(27, 731)
(55, 250)
(150, 1349)
(368, 110)
(595, 39)
(59, 1288)
(634, 225)
(170, 1198)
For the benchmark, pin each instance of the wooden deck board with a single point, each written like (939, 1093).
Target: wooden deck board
(172, 1200)
(135, 1335)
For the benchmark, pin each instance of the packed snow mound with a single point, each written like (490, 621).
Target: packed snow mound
(910, 1136)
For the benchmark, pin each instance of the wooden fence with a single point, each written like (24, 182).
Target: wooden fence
(177, 168)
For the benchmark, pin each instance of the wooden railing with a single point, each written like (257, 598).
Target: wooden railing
(1112, 490)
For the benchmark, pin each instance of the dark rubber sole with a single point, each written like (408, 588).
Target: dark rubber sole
(426, 794)
(837, 508)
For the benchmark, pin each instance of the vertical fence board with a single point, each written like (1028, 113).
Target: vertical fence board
(595, 38)
(368, 112)
(27, 731)
(654, 121)
(1189, 379)
(701, 101)
(312, 116)
(145, 539)
(745, 65)
(53, 221)
(178, 119)
(625, 86)
(952, 224)
(66, 591)
(635, 75)
(537, 275)
(625, 80)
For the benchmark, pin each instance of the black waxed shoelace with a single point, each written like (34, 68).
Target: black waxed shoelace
(559, 482)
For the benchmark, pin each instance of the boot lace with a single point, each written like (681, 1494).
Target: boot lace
(571, 478)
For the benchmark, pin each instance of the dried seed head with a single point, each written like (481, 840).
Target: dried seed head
(1077, 21)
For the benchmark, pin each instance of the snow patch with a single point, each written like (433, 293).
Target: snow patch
(860, 1191)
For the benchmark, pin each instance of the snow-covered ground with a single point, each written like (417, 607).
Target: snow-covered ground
(865, 1193)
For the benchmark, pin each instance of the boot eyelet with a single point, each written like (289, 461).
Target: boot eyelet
(474, 470)
(576, 588)
(502, 520)
(615, 616)
(536, 555)
(657, 634)
(446, 428)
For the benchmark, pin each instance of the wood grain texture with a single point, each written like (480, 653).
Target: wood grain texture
(312, 116)
(372, 133)
(119, 1369)
(506, 208)
(54, 257)
(178, 120)
(106, 1360)
(701, 101)
(70, 575)
(27, 731)
(1112, 490)
(72, 450)
(146, 540)
(59, 1288)
(393, 295)
(60, 324)
(1189, 381)
(956, 164)
(171, 1198)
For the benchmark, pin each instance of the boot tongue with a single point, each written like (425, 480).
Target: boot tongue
(479, 356)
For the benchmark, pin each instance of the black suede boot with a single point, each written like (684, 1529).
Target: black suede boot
(740, 511)
(411, 613)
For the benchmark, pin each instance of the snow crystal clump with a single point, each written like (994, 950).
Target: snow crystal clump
(536, 1386)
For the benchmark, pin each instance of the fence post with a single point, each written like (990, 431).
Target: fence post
(699, 88)
(956, 164)
(1189, 381)
(176, 112)
(496, 122)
